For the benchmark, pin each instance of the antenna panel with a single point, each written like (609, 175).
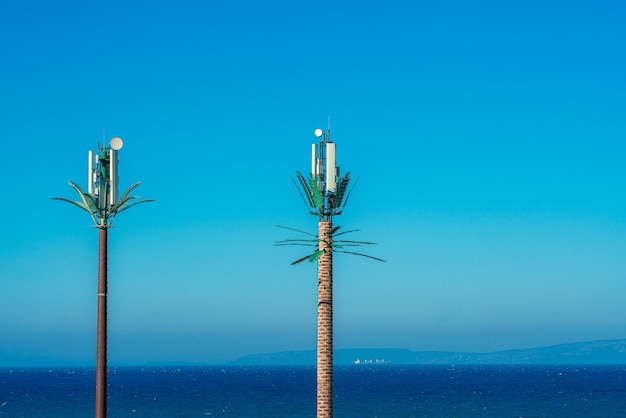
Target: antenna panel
(90, 173)
(113, 179)
(314, 160)
(331, 170)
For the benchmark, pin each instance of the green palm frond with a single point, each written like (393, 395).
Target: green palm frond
(349, 242)
(300, 242)
(297, 230)
(314, 256)
(80, 205)
(342, 186)
(100, 213)
(318, 199)
(346, 232)
(312, 242)
(308, 200)
(335, 245)
(297, 245)
(296, 240)
(86, 198)
(340, 207)
(130, 189)
(86, 203)
(342, 246)
(307, 190)
(127, 205)
(361, 255)
(300, 260)
(126, 201)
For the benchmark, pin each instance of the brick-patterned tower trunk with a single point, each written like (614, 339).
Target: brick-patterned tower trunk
(325, 323)
(101, 350)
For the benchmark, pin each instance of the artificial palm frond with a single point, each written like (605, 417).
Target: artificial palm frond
(300, 242)
(126, 206)
(86, 203)
(126, 201)
(314, 198)
(80, 205)
(100, 213)
(312, 242)
(361, 255)
(86, 198)
(296, 240)
(127, 192)
(346, 232)
(308, 201)
(102, 201)
(300, 260)
(311, 257)
(296, 230)
(335, 246)
(349, 242)
(339, 209)
(307, 190)
(316, 255)
(296, 245)
(318, 198)
(342, 186)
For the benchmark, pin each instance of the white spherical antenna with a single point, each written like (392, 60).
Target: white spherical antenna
(116, 143)
(319, 132)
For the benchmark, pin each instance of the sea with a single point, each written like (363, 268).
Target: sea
(360, 391)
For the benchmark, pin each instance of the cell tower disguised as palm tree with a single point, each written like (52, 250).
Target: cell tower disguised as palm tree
(325, 193)
(103, 203)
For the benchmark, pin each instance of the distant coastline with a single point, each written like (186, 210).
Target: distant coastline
(591, 352)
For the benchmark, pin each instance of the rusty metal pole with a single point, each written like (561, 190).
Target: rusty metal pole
(101, 351)
(325, 323)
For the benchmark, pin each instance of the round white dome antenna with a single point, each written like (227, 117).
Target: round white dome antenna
(116, 143)
(318, 133)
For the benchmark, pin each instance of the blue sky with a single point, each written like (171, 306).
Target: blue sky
(488, 137)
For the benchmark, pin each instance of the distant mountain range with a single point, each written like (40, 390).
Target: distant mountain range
(592, 352)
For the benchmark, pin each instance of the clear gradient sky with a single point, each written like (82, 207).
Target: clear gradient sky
(489, 138)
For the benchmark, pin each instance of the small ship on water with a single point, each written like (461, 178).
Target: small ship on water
(376, 361)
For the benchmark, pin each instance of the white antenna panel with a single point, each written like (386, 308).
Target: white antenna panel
(113, 180)
(90, 173)
(331, 170)
(314, 160)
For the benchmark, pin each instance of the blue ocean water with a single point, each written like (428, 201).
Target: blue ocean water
(360, 391)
